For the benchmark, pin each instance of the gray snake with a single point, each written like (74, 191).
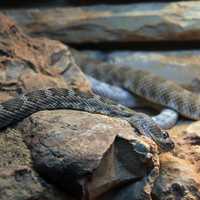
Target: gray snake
(141, 83)
(144, 84)
(16, 109)
(166, 119)
(148, 86)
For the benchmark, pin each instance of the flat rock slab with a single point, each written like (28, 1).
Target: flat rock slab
(176, 21)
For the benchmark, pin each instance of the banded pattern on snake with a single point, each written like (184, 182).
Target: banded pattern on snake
(16, 109)
(165, 120)
(148, 86)
(141, 83)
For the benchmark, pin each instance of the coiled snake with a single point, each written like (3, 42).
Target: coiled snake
(141, 83)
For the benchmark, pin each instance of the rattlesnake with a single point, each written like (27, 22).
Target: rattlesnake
(141, 83)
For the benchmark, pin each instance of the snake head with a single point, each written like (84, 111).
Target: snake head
(146, 126)
(160, 137)
(164, 141)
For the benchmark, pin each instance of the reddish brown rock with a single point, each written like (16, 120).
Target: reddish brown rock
(179, 176)
(24, 60)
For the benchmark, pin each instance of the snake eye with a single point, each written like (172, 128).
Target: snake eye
(165, 135)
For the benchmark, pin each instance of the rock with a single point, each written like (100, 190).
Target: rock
(143, 187)
(80, 153)
(136, 22)
(178, 179)
(24, 60)
(18, 179)
(179, 176)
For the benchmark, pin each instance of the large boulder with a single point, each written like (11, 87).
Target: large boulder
(136, 22)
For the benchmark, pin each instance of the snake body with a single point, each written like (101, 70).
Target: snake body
(148, 86)
(141, 83)
(165, 119)
(16, 109)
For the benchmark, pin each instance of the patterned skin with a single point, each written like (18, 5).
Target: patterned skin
(18, 108)
(165, 120)
(148, 86)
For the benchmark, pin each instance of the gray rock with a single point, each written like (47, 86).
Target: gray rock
(89, 155)
(18, 179)
(175, 21)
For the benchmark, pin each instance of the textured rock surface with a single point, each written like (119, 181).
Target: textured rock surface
(24, 60)
(179, 177)
(74, 150)
(133, 22)
(18, 180)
